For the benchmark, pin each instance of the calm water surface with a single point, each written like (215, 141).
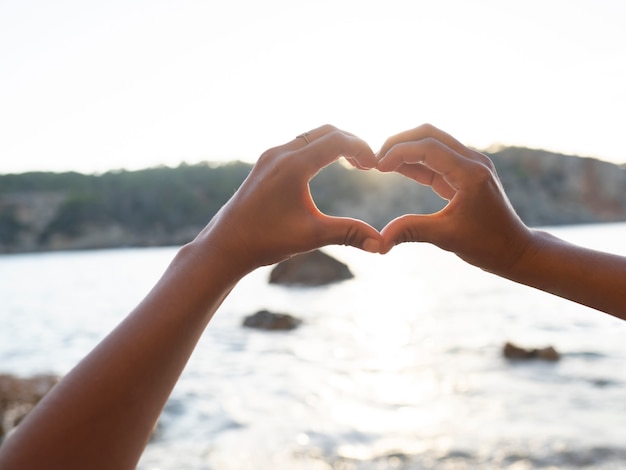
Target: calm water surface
(398, 368)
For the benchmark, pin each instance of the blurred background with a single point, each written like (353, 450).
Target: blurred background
(124, 125)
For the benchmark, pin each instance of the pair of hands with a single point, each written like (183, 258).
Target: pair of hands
(273, 216)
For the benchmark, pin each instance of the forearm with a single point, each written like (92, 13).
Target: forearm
(102, 413)
(586, 276)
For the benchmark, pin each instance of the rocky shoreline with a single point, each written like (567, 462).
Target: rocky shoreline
(19, 395)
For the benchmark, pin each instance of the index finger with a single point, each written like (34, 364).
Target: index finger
(331, 145)
(429, 131)
(422, 132)
(454, 168)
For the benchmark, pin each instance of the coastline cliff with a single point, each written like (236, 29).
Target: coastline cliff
(168, 206)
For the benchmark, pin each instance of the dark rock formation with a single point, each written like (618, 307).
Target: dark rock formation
(19, 395)
(266, 320)
(314, 268)
(512, 351)
(548, 188)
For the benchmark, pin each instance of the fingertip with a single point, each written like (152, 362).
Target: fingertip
(400, 230)
(386, 248)
(368, 164)
(382, 164)
(358, 165)
(333, 145)
(366, 158)
(350, 232)
(371, 245)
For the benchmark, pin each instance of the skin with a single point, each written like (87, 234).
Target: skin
(100, 416)
(481, 227)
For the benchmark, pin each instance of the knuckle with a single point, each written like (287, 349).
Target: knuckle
(427, 129)
(432, 143)
(334, 133)
(483, 174)
(272, 157)
(269, 154)
(341, 142)
(328, 128)
(484, 159)
(351, 237)
(409, 234)
(264, 158)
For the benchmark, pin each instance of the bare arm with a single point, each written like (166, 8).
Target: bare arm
(589, 277)
(480, 225)
(101, 414)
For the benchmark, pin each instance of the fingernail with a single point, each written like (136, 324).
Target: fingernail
(371, 245)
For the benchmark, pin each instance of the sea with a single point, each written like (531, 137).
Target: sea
(400, 367)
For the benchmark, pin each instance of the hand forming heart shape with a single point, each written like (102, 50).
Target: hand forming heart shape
(478, 224)
(272, 216)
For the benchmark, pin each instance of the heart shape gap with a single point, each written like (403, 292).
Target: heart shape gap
(371, 196)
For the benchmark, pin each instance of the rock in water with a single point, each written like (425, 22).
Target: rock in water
(19, 395)
(266, 320)
(512, 351)
(314, 268)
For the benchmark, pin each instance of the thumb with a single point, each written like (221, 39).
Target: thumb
(352, 232)
(409, 228)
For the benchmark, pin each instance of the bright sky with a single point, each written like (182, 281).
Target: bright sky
(91, 86)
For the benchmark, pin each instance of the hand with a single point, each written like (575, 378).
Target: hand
(272, 216)
(478, 224)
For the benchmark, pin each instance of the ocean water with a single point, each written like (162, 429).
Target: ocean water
(399, 368)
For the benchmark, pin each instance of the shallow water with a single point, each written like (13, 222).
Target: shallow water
(398, 368)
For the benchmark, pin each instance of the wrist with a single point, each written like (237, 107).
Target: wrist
(220, 253)
(532, 261)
